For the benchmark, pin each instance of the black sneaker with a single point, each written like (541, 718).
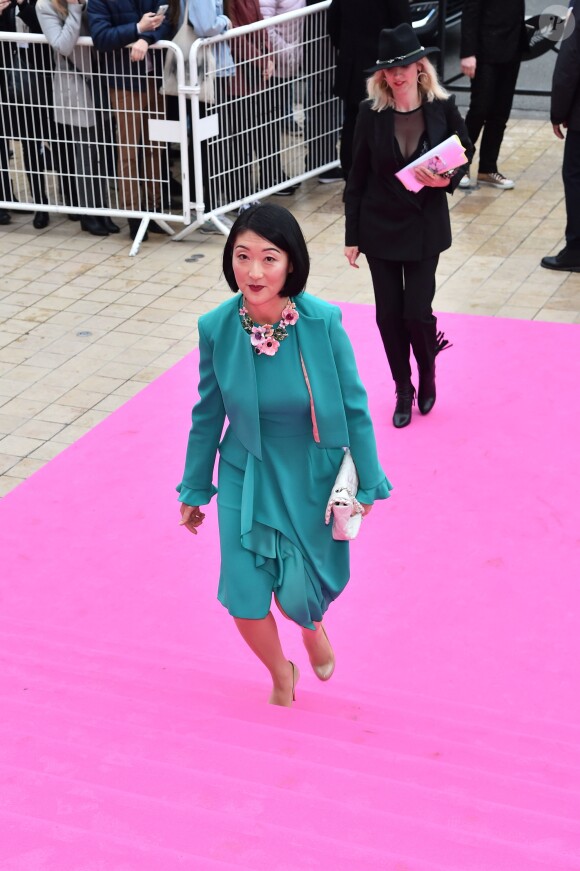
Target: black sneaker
(331, 176)
(288, 191)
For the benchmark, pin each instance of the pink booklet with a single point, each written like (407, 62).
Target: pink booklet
(445, 156)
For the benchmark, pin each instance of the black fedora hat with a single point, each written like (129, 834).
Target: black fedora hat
(399, 47)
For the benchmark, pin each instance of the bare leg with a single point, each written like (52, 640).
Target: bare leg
(262, 638)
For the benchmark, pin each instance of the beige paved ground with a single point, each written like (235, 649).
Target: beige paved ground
(83, 326)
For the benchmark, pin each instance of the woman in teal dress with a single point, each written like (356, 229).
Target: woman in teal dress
(277, 363)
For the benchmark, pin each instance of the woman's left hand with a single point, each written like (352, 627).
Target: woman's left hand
(430, 179)
(139, 49)
(351, 253)
(366, 509)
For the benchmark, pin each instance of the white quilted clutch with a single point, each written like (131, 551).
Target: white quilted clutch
(346, 510)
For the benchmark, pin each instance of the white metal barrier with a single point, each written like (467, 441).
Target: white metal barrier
(70, 142)
(256, 116)
(271, 120)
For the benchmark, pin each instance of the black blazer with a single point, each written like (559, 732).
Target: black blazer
(383, 218)
(354, 27)
(565, 105)
(493, 30)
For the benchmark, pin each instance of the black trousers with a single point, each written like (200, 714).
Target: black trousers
(571, 178)
(404, 294)
(492, 94)
(322, 118)
(79, 159)
(5, 186)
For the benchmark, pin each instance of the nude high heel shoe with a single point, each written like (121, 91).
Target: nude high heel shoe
(295, 679)
(325, 671)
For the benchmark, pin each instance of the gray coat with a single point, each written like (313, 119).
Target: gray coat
(72, 91)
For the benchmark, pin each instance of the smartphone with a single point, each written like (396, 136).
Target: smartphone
(162, 9)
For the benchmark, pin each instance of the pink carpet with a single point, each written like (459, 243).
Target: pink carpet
(134, 734)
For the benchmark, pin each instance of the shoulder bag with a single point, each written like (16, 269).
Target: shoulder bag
(206, 65)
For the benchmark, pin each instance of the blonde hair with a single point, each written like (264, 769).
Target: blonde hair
(61, 6)
(428, 85)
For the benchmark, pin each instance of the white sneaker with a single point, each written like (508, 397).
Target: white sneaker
(210, 229)
(495, 180)
(465, 181)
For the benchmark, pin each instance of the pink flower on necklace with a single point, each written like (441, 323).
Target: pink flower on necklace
(268, 347)
(260, 334)
(265, 339)
(289, 316)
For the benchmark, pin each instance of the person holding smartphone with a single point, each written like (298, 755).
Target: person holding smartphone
(124, 30)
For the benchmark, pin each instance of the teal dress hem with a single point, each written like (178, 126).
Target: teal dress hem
(274, 480)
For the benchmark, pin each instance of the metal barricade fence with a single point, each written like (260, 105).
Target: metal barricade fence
(264, 117)
(256, 115)
(71, 142)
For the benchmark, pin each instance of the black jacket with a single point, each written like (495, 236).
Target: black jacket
(565, 105)
(113, 27)
(40, 55)
(354, 27)
(382, 217)
(31, 114)
(493, 30)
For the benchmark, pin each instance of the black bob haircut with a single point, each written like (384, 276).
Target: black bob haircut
(280, 227)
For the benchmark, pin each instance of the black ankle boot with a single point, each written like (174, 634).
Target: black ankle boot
(405, 400)
(93, 225)
(40, 220)
(155, 228)
(109, 225)
(427, 393)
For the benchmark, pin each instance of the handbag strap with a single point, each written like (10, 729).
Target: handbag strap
(312, 412)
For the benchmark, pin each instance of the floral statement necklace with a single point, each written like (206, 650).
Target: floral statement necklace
(266, 339)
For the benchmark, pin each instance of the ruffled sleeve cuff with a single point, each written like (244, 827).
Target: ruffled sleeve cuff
(381, 491)
(195, 497)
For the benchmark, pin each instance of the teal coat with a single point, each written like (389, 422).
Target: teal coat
(227, 388)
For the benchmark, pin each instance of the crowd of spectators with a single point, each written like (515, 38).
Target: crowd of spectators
(77, 100)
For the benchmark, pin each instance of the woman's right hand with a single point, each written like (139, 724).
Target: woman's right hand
(351, 253)
(191, 517)
(150, 21)
(468, 66)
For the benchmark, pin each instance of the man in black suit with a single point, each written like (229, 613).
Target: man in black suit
(493, 37)
(354, 27)
(565, 112)
(322, 119)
